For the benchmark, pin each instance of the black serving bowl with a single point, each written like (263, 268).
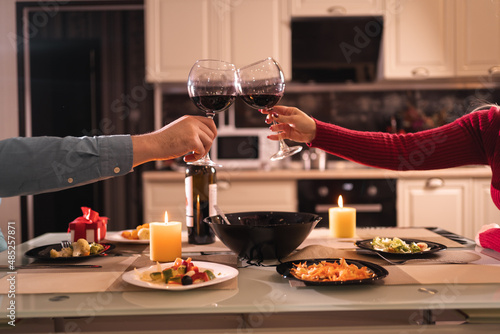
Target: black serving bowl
(263, 235)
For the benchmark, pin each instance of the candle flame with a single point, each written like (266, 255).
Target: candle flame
(341, 202)
(166, 217)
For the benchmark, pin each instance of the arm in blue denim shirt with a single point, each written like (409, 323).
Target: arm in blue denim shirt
(59, 163)
(41, 164)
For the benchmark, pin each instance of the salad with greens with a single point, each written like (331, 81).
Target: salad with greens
(396, 245)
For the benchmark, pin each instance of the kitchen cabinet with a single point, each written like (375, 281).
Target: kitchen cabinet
(234, 195)
(177, 34)
(455, 199)
(336, 7)
(441, 38)
(478, 38)
(418, 39)
(439, 202)
(460, 205)
(485, 211)
(242, 32)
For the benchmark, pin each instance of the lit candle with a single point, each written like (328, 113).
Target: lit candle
(342, 221)
(165, 243)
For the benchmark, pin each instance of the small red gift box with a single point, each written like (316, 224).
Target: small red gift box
(89, 226)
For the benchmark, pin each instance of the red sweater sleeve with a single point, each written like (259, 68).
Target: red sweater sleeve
(470, 139)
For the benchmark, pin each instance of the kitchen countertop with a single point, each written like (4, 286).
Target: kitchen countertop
(346, 170)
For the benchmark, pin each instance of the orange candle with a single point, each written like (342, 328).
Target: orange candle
(165, 243)
(342, 221)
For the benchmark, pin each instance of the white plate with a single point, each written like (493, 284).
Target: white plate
(117, 237)
(222, 273)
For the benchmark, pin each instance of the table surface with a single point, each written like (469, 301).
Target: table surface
(259, 289)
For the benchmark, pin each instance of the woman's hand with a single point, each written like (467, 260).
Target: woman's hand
(191, 135)
(292, 124)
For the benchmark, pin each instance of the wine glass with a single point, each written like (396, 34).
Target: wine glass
(211, 87)
(261, 86)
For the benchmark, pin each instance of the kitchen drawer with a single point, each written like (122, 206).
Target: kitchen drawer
(233, 196)
(268, 195)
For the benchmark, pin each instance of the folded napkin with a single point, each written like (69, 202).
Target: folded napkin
(489, 237)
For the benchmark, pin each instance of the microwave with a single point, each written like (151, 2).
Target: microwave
(243, 148)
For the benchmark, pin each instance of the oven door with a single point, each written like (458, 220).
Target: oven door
(374, 199)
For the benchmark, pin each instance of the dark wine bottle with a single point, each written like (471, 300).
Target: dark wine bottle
(201, 196)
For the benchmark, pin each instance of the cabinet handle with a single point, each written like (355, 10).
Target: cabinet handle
(337, 10)
(420, 72)
(434, 182)
(495, 70)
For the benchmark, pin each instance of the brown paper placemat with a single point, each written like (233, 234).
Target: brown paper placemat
(107, 278)
(413, 272)
(454, 274)
(410, 233)
(58, 280)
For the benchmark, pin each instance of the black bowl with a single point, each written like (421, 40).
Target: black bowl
(263, 235)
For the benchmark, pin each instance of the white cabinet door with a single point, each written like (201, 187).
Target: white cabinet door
(435, 202)
(336, 7)
(419, 39)
(478, 37)
(180, 32)
(177, 34)
(485, 212)
(256, 30)
(164, 196)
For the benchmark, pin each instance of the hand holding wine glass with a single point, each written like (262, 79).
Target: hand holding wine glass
(211, 87)
(261, 86)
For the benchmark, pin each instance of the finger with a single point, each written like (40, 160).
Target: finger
(282, 110)
(284, 119)
(273, 137)
(189, 158)
(208, 126)
(280, 127)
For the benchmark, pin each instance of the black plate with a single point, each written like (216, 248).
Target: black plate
(434, 247)
(284, 270)
(43, 253)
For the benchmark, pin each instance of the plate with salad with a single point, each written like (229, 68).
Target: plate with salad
(180, 275)
(327, 272)
(402, 247)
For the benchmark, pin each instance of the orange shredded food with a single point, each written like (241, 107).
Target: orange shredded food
(330, 271)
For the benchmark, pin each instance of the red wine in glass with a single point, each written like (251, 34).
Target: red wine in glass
(212, 104)
(261, 86)
(211, 87)
(261, 101)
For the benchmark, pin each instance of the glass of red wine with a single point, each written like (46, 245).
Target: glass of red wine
(261, 85)
(211, 87)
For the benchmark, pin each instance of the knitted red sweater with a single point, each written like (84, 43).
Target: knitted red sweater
(470, 140)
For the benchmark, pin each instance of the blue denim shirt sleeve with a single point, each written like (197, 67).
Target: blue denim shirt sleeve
(41, 164)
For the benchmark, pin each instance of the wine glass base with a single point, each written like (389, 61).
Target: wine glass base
(285, 153)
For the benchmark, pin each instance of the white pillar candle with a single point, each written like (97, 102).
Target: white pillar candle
(342, 221)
